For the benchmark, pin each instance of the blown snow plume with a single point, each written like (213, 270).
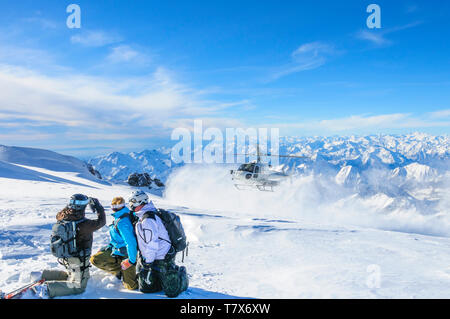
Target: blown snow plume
(413, 202)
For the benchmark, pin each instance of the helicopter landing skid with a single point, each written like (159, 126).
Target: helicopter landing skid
(262, 188)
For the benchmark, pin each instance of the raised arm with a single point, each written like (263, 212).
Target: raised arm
(95, 224)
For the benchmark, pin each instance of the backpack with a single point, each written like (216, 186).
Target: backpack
(175, 281)
(173, 225)
(63, 242)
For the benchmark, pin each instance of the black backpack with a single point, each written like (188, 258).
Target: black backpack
(173, 225)
(63, 243)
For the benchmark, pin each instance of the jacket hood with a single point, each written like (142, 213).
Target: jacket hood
(69, 214)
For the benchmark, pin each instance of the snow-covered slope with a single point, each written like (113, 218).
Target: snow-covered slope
(35, 185)
(21, 163)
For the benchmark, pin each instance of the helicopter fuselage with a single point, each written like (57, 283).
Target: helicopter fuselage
(256, 175)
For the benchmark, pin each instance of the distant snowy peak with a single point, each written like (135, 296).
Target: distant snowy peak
(347, 175)
(419, 172)
(398, 172)
(118, 166)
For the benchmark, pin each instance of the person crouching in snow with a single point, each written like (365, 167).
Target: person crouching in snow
(119, 257)
(156, 268)
(71, 243)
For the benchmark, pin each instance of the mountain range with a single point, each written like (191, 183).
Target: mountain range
(417, 156)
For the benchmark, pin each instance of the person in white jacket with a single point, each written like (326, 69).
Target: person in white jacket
(152, 236)
(156, 269)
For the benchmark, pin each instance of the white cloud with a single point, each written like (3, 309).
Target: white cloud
(25, 136)
(126, 54)
(126, 106)
(374, 37)
(440, 114)
(312, 50)
(94, 38)
(25, 56)
(306, 57)
(216, 122)
(377, 36)
(42, 22)
(366, 123)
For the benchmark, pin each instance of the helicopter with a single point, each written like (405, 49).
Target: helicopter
(258, 175)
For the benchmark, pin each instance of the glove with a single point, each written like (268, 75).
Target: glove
(94, 204)
(126, 264)
(91, 204)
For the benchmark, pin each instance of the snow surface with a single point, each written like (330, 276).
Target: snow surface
(28, 209)
(312, 238)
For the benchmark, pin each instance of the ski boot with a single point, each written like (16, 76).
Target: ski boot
(41, 291)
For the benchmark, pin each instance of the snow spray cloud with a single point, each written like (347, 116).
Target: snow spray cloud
(375, 200)
(238, 143)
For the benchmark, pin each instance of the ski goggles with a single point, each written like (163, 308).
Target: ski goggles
(79, 202)
(118, 206)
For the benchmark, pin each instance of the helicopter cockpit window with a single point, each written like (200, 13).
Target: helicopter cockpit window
(247, 167)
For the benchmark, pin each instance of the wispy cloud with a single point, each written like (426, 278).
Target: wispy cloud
(127, 54)
(122, 53)
(440, 114)
(378, 36)
(370, 123)
(27, 57)
(120, 108)
(374, 37)
(42, 22)
(95, 38)
(25, 136)
(306, 57)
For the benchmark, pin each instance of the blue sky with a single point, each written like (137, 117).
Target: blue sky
(136, 70)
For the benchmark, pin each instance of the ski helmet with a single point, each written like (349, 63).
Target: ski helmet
(78, 202)
(137, 198)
